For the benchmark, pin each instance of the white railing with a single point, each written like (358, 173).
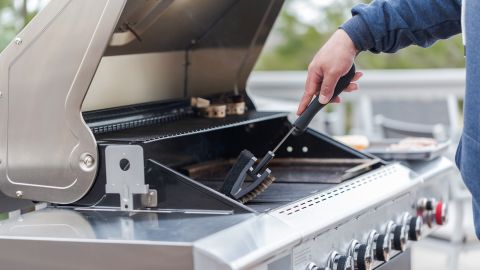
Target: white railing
(281, 91)
(289, 85)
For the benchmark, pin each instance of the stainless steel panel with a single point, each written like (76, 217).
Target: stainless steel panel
(187, 48)
(254, 242)
(122, 227)
(47, 152)
(35, 254)
(348, 199)
(364, 210)
(136, 78)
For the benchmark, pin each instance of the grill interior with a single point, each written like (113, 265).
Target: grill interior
(295, 178)
(187, 156)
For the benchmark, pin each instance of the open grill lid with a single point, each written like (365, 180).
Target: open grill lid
(174, 49)
(120, 52)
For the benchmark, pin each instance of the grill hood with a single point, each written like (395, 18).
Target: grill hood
(172, 49)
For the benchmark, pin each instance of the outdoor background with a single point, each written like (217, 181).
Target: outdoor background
(301, 29)
(303, 26)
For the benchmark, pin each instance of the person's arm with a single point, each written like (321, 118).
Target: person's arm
(389, 25)
(382, 26)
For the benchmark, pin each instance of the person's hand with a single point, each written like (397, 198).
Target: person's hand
(331, 62)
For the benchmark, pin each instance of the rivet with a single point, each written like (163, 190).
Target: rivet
(18, 41)
(88, 161)
(19, 193)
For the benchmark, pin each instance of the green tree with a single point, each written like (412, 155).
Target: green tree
(14, 15)
(293, 43)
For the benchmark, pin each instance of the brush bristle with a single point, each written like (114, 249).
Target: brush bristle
(258, 190)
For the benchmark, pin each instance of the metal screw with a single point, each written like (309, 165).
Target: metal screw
(18, 41)
(88, 161)
(1, 94)
(124, 164)
(19, 193)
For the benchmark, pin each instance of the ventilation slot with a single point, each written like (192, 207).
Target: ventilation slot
(327, 195)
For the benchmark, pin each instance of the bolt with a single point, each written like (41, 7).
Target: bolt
(18, 41)
(88, 161)
(1, 94)
(19, 193)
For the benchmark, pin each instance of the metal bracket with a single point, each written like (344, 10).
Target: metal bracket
(125, 173)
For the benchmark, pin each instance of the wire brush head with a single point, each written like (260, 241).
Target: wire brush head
(261, 188)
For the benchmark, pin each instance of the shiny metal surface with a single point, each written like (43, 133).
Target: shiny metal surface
(121, 227)
(203, 38)
(330, 235)
(214, 240)
(61, 255)
(258, 241)
(44, 76)
(212, 50)
(349, 199)
(128, 178)
(383, 243)
(401, 231)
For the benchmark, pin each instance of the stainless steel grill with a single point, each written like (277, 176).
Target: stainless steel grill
(132, 180)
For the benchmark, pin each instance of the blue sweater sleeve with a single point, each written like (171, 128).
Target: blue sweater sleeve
(389, 25)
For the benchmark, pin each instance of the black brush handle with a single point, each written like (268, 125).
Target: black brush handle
(314, 107)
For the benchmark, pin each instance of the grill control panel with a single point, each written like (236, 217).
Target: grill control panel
(379, 246)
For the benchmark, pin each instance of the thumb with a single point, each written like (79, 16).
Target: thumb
(328, 86)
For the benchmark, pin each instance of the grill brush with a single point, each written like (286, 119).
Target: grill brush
(246, 165)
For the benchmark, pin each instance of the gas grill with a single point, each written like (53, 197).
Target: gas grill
(96, 120)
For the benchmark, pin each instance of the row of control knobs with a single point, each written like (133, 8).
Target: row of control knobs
(379, 245)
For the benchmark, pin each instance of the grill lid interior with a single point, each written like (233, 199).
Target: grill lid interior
(175, 49)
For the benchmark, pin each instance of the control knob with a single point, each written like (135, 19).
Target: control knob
(362, 254)
(441, 213)
(430, 205)
(339, 262)
(415, 228)
(425, 204)
(429, 218)
(400, 233)
(383, 243)
(313, 266)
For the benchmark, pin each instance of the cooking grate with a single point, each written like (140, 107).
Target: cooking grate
(295, 178)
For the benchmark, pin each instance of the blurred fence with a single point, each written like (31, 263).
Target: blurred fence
(282, 90)
(289, 85)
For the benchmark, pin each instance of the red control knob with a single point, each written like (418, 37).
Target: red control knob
(441, 213)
